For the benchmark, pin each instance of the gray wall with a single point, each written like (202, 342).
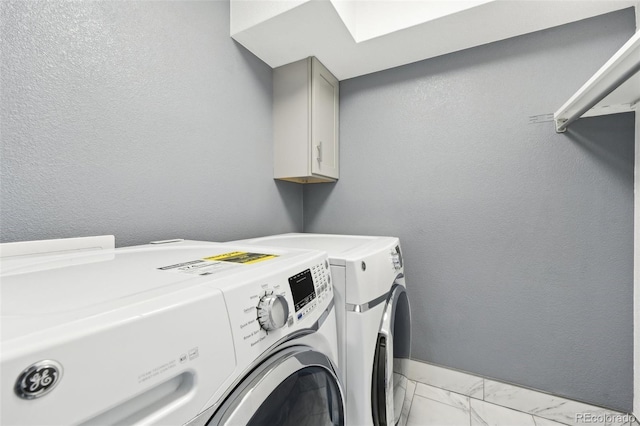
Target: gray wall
(518, 241)
(139, 119)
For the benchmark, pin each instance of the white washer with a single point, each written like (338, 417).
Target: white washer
(374, 319)
(174, 333)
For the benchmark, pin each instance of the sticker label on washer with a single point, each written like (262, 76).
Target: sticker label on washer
(242, 257)
(159, 370)
(198, 267)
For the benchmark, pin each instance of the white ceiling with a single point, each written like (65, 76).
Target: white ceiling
(357, 37)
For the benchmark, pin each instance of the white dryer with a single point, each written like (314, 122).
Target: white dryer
(374, 319)
(174, 333)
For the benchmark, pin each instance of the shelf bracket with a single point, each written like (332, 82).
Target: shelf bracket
(560, 125)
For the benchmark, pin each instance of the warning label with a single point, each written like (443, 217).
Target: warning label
(241, 257)
(218, 263)
(198, 267)
(181, 265)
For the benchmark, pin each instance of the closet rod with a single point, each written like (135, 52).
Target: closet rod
(564, 123)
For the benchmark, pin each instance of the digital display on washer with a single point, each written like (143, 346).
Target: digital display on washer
(302, 288)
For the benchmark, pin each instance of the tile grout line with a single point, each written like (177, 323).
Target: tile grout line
(519, 387)
(483, 386)
(443, 403)
(564, 400)
(527, 413)
(524, 412)
(483, 400)
(413, 394)
(424, 374)
(533, 416)
(443, 389)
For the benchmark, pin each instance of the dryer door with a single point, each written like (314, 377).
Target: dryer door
(388, 384)
(295, 386)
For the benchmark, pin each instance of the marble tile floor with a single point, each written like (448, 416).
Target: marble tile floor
(451, 398)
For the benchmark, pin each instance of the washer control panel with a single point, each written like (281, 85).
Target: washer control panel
(271, 305)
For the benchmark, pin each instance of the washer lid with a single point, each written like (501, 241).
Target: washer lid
(48, 290)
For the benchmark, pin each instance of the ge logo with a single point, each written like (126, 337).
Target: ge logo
(38, 379)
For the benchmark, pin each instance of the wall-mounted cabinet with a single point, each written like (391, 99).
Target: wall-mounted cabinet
(305, 128)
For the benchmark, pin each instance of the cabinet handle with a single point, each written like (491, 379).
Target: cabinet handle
(319, 152)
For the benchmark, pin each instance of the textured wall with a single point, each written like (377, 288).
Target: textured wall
(139, 119)
(518, 241)
(145, 120)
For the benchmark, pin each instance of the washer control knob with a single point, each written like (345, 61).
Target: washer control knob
(273, 311)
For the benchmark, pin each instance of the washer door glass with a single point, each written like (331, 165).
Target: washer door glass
(309, 396)
(295, 386)
(388, 385)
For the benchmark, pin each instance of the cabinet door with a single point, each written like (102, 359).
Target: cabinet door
(324, 122)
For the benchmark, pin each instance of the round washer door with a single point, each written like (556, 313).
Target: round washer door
(388, 384)
(297, 385)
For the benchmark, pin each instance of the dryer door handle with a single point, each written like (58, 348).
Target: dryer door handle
(390, 347)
